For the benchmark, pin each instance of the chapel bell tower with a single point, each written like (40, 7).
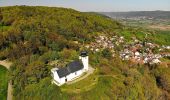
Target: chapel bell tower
(85, 59)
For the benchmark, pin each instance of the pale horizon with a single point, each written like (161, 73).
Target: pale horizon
(96, 5)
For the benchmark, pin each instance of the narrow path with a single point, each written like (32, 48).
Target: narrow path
(114, 76)
(9, 96)
(90, 71)
(7, 64)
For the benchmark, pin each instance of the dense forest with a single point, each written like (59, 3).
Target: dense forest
(32, 37)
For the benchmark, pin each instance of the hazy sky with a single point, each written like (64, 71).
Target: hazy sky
(96, 5)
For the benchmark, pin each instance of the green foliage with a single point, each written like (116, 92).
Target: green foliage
(161, 37)
(127, 35)
(37, 35)
(33, 33)
(106, 53)
(3, 82)
(68, 54)
(42, 91)
(162, 77)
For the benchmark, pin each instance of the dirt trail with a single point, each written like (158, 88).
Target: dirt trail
(9, 97)
(7, 64)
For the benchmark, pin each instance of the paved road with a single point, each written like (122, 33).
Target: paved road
(7, 65)
(90, 71)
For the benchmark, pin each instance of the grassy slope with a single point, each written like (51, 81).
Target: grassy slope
(158, 37)
(162, 37)
(3, 83)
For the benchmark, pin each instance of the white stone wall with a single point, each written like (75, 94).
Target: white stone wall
(73, 75)
(56, 78)
(70, 77)
(62, 80)
(59, 80)
(79, 72)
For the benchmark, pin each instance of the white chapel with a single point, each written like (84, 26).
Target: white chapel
(71, 71)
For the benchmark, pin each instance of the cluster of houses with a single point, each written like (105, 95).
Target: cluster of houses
(100, 43)
(140, 57)
(103, 42)
(144, 52)
(141, 52)
(165, 47)
(136, 51)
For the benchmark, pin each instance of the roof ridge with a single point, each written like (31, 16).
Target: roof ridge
(68, 68)
(71, 67)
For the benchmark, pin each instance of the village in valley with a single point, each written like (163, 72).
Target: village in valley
(137, 51)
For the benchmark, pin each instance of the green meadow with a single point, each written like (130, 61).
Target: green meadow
(3, 83)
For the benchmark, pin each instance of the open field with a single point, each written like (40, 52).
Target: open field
(160, 27)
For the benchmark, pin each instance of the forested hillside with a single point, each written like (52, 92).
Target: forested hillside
(33, 37)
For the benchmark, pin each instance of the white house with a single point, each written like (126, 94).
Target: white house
(71, 71)
(155, 61)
